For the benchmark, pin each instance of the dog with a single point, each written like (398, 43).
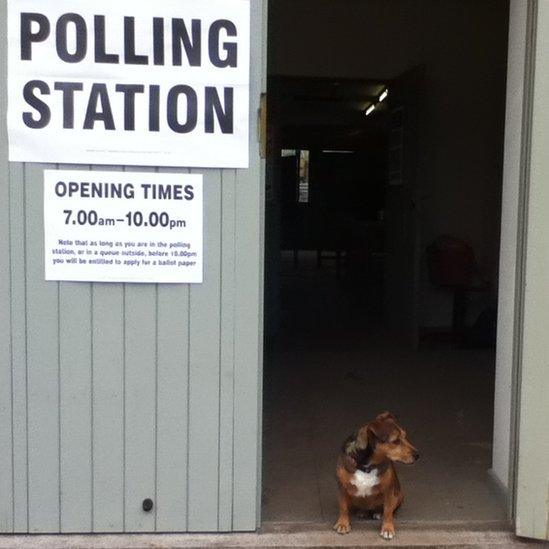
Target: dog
(366, 473)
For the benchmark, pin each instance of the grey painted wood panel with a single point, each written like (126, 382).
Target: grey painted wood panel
(140, 401)
(6, 373)
(249, 298)
(172, 419)
(75, 371)
(227, 343)
(203, 465)
(75, 400)
(42, 367)
(108, 408)
(113, 393)
(140, 404)
(18, 346)
(173, 401)
(108, 404)
(247, 357)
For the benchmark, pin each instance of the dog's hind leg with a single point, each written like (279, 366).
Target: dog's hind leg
(370, 514)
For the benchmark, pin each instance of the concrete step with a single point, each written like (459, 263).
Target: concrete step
(291, 535)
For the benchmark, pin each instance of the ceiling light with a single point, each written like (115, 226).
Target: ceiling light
(370, 110)
(384, 95)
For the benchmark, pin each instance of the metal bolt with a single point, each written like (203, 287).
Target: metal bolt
(148, 505)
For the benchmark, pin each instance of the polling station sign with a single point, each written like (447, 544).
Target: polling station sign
(123, 226)
(163, 83)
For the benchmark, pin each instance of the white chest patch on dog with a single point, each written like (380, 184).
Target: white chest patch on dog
(364, 482)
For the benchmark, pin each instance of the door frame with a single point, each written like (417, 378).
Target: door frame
(513, 249)
(514, 422)
(520, 350)
(529, 436)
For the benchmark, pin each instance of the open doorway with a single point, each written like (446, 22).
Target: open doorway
(383, 206)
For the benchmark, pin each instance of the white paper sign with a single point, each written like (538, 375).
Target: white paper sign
(123, 226)
(162, 83)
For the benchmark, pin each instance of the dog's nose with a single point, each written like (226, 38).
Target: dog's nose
(416, 455)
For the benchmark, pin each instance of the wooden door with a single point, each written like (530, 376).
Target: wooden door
(114, 393)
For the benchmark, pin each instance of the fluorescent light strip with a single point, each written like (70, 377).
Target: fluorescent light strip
(370, 110)
(384, 95)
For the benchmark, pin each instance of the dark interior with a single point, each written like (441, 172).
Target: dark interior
(385, 144)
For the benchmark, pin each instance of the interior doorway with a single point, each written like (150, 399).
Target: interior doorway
(383, 206)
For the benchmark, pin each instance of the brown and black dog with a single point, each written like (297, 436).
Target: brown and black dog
(366, 474)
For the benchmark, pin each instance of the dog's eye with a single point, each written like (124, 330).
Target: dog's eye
(396, 441)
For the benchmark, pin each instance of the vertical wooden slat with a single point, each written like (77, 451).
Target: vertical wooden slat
(203, 487)
(75, 367)
(259, 72)
(226, 374)
(108, 404)
(247, 359)
(173, 306)
(108, 408)
(6, 456)
(6, 383)
(75, 410)
(42, 366)
(140, 403)
(249, 299)
(19, 346)
(172, 417)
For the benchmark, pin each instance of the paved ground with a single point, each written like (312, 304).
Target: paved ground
(310, 537)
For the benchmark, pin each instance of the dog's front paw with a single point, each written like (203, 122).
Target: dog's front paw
(387, 531)
(342, 526)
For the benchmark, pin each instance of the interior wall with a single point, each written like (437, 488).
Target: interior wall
(462, 46)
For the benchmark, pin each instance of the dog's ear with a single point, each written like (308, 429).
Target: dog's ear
(385, 415)
(362, 438)
(349, 463)
(381, 428)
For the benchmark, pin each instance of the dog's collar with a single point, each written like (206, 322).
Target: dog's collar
(369, 467)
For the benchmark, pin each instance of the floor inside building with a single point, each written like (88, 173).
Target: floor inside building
(332, 367)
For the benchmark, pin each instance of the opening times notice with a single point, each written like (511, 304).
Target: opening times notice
(128, 253)
(123, 226)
